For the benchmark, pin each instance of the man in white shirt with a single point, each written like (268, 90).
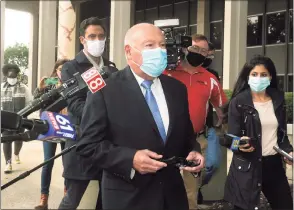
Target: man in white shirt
(138, 118)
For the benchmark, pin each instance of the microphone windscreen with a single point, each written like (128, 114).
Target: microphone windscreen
(59, 127)
(10, 120)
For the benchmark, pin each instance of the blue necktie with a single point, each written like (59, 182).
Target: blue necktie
(151, 101)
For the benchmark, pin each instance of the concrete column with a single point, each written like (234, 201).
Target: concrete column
(203, 18)
(235, 36)
(2, 23)
(120, 10)
(47, 37)
(66, 30)
(33, 52)
(78, 21)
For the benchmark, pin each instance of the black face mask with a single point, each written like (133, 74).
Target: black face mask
(195, 59)
(207, 62)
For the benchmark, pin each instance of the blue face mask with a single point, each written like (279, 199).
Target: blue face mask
(258, 84)
(154, 61)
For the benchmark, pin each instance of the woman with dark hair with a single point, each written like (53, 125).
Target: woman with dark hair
(45, 85)
(257, 114)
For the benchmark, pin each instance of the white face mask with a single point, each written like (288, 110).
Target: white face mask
(96, 47)
(12, 81)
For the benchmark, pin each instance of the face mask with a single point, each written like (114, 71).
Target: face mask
(154, 61)
(12, 81)
(206, 62)
(96, 47)
(195, 59)
(258, 84)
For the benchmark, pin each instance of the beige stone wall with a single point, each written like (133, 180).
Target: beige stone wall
(66, 30)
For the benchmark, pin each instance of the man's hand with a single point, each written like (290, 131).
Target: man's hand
(144, 162)
(288, 161)
(196, 157)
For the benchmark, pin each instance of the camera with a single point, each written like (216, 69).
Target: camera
(174, 42)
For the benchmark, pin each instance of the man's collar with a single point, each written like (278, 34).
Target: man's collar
(140, 79)
(82, 58)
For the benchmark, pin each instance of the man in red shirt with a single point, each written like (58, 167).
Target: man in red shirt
(203, 88)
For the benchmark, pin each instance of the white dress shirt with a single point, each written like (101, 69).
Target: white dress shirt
(158, 93)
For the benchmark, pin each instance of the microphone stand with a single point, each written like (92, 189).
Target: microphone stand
(27, 173)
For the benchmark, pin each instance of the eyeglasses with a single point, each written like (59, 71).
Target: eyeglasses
(210, 56)
(196, 49)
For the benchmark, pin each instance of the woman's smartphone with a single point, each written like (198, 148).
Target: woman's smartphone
(51, 81)
(283, 153)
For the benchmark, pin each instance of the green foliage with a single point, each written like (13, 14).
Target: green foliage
(288, 100)
(18, 54)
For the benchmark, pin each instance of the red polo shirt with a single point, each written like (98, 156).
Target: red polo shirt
(203, 87)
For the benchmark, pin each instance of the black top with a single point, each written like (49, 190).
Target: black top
(243, 182)
(73, 168)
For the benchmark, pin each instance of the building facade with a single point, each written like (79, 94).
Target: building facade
(238, 29)
(269, 28)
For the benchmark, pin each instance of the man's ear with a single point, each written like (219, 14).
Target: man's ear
(82, 40)
(128, 52)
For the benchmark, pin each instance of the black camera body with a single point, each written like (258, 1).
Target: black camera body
(174, 42)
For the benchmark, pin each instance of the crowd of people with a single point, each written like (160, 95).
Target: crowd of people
(147, 113)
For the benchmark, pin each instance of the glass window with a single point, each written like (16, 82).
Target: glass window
(290, 83)
(151, 3)
(217, 8)
(193, 29)
(166, 12)
(180, 0)
(275, 28)
(165, 2)
(181, 13)
(140, 4)
(255, 7)
(276, 5)
(151, 15)
(193, 12)
(254, 30)
(280, 81)
(216, 34)
(139, 16)
(291, 26)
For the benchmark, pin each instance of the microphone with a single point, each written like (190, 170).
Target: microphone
(51, 127)
(233, 142)
(10, 120)
(94, 79)
(13, 121)
(37, 103)
(59, 127)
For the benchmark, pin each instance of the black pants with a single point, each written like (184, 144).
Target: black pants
(7, 149)
(275, 185)
(75, 191)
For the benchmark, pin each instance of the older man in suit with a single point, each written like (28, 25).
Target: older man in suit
(138, 118)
